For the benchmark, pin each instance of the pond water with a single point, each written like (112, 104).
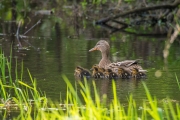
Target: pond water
(58, 45)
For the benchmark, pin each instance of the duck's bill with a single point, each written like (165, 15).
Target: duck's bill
(93, 49)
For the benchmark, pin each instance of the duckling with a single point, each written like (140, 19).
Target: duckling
(81, 72)
(142, 73)
(97, 72)
(110, 74)
(136, 73)
(99, 69)
(124, 73)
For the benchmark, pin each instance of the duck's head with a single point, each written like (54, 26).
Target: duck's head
(101, 69)
(120, 71)
(78, 68)
(94, 68)
(134, 71)
(110, 74)
(81, 72)
(95, 65)
(107, 72)
(102, 46)
(77, 71)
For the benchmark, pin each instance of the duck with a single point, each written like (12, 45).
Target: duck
(104, 48)
(124, 73)
(108, 73)
(138, 73)
(97, 72)
(81, 72)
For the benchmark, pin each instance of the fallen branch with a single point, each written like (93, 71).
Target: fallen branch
(171, 40)
(168, 6)
(33, 26)
(150, 19)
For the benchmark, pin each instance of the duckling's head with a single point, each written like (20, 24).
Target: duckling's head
(81, 72)
(101, 69)
(95, 67)
(107, 72)
(142, 73)
(120, 71)
(79, 68)
(110, 74)
(77, 72)
(102, 46)
(134, 71)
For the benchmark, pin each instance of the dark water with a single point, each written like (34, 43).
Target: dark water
(58, 45)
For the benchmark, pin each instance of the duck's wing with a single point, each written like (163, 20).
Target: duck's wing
(128, 63)
(125, 63)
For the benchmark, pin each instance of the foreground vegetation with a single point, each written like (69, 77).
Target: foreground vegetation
(29, 103)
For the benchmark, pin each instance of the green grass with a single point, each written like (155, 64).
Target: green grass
(31, 103)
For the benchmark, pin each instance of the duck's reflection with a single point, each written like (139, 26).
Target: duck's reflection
(123, 88)
(104, 87)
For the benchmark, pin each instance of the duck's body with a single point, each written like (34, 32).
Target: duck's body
(81, 72)
(105, 63)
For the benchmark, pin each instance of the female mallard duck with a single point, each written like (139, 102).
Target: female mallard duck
(81, 72)
(105, 63)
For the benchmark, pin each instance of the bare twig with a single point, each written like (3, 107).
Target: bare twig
(17, 33)
(170, 41)
(30, 45)
(32, 27)
(175, 34)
